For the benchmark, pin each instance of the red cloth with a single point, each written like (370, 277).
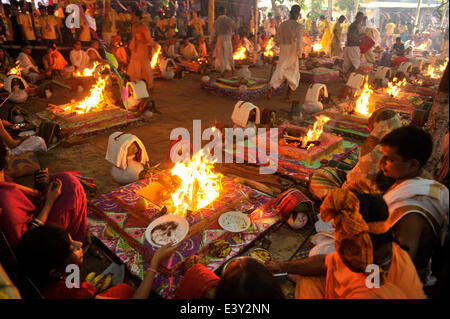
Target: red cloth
(58, 290)
(196, 282)
(120, 291)
(366, 44)
(398, 60)
(19, 208)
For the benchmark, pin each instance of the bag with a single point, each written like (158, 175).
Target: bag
(48, 131)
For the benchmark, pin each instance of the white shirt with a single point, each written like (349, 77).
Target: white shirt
(79, 59)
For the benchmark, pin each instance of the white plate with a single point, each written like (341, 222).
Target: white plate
(234, 221)
(27, 133)
(178, 233)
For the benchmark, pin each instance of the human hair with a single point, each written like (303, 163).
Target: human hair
(41, 250)
(295, 10)
(3, 156)
(410, 142)
(359, 14)
(137, 13)
(221, 10)
(248, 279)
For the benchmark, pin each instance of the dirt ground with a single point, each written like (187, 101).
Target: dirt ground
(179, 100)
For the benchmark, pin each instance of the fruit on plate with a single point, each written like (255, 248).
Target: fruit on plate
(261, 254)
(219, 249)
(101, 282)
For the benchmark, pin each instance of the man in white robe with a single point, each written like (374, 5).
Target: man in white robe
(78, 57)
(28, 67)
(352, 51)
(290, 39)
(223, 51)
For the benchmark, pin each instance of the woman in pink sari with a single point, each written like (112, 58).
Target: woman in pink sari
(62, 202)
(140, 44)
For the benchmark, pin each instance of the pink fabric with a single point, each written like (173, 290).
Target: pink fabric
(19, 208)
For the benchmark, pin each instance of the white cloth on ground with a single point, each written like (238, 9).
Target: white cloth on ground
(118, 147)
(31, 144)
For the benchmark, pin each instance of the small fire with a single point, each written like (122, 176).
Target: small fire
(362, 104)
(314, 133)
(87, 72)
(316, 47)
(93, 102)
(240, 54)
(199, 185)
(155, 58)
(432, 72)
(394, 87)
(15, 70)
(443, 66)
(268, 52)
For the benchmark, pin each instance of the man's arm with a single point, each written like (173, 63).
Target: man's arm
(408, 231)
(311, 266)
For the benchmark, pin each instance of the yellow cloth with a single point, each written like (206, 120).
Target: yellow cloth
(171, 26)
(401, 282)
(85, 33)
(402, 29)
(110, 22)
(161, 25)
(48, 27)
(25, 21)
(308, 24)
(326, 38)
(390, 27)
(197, 26)
(336, 48)
(189, 52)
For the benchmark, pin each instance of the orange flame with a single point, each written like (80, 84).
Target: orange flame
(15, 70)
(91, 103)
(240, 54)
(155, 58)
(443, 66)
(362, 104)
(315, 133)
(268, 52)
(394, 87)
(199, 186)
(316, 47)
(87, 72)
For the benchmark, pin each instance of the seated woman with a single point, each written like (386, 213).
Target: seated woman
(243, 279)
(119, 52)
(398, 49)
(21, 144)
(45, 265)
(366, 252)
(94, 55)
(61, 200)
(28, 66)
(53, 61)
(79, 57)
(188, 50)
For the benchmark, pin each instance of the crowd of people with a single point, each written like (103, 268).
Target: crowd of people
(395, 218)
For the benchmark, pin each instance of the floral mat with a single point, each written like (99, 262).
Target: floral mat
(259, 88)
(124, 234)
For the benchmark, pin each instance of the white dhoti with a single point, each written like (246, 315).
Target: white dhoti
(352, 57)
(287, 68)
(224, 54)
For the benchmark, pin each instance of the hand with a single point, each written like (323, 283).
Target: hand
(54, 191)
(274, 267)
(42, 177)
(162, 254)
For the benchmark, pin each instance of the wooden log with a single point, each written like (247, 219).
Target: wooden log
(131, 210)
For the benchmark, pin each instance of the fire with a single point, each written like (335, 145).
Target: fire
(199, 185)
(316, 47)
(394, 87)
(93, 102)
(362, 104)
(443, 66)
(314, 133)
(87, 72)
(15, 70)
(240, 54)
(432, 72)
(155, 57)
(269, 52)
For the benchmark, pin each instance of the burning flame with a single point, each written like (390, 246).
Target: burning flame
(269, 46)
(91, 103)
(199, 185)
(316, 47)
(362, 104)
(240, 54)
(432, 72)
(394, 87)
(155, 57)
(15, 70)
(314, 133)
(87, 72)
(443, 66)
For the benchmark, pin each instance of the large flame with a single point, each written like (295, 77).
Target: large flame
(155, 58)
(394, 87)
(199, 185)
(240, 54)
(91, 103)
(317, 47)
(362, 104)
(314, 133)
(87, 71)
(443, 66)
(268, 52)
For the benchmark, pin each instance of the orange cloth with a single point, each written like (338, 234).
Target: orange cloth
(196, 281)
(139, 67)
(401, 281)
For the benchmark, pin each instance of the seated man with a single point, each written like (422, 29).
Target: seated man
(188, 50)
(398, 50)
(363, 239)
(79, 57)
(29, 68)
(61, 200)
(53, 60)
(418, 207)
(171, 49)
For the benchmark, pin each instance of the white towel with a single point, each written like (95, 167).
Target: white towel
(117, 149)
